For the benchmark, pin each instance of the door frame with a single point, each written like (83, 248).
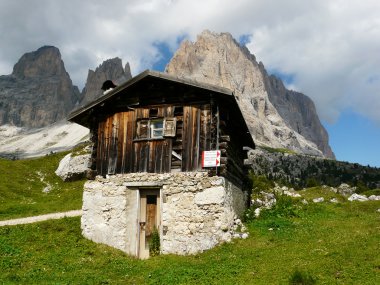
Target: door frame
(140, 242)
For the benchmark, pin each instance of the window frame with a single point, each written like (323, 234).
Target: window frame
(153, 128)
(146, 128)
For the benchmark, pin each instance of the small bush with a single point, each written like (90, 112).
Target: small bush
(285, 207)
(301, 278)
(312, 182)
(154, 245)
(261, 183)
(249, 214)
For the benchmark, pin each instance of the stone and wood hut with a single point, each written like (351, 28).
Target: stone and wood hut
(151, 138)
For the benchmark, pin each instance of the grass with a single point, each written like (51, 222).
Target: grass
(278, 150)
(315, 192)
(22, 183)
(293, 243)
(371, 192)
(324, 243)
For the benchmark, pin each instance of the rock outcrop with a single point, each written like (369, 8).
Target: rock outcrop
(39, 91)
(73, 168)
(307, 171)
(111, 69)
(276, 117)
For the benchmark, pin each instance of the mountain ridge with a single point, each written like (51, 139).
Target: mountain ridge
(277, 117)
(219, 59)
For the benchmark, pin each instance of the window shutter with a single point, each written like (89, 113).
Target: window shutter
(169, 127)
(142, 129)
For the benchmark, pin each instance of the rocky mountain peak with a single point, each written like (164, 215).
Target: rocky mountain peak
(266, 104)
(39, 92)
(46, 61)
(110, 69)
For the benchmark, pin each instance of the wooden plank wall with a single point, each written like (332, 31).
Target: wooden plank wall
(177, 143)
(119, 152)
(231, 146)
(196, 135)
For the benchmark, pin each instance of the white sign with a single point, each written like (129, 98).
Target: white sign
(211, 158)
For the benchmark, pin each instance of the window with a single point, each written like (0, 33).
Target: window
(150, 129)
(156, 128)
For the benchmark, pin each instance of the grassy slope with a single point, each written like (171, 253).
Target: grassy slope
(21, 188)
(334, 243)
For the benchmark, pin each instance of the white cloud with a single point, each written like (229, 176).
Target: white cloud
(330, 47)
(333, 52)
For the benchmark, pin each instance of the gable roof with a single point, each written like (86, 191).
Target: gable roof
(168, 88)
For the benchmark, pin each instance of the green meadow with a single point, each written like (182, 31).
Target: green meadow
(30, 187)
(293, 243)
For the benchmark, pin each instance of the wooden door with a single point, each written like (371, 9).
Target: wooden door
(149, 219)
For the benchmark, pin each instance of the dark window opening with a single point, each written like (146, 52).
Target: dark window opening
(153, 113)
(151, 199)
(178, 110)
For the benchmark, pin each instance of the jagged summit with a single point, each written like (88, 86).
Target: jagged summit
(46, 61)
(39, 91)
(276, 116)
(111, 69)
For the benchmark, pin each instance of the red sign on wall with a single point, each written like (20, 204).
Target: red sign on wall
(211, 158)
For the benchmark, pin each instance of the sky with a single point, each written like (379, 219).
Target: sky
(326, 49)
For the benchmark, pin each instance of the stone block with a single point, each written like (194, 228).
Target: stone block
(214, 195)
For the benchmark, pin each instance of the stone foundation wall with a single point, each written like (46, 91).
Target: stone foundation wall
(197, 211)
(109, 215)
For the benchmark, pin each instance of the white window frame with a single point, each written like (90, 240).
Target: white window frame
(153, 128)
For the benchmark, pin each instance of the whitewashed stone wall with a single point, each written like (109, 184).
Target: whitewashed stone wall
(197, 211)
(109, 215)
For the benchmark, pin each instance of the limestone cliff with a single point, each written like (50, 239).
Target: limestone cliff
(276, 117)
(39, 91)
(110, 69)
(298, 112)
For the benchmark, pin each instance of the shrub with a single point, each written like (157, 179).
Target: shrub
(285, 207)
(301, 278)
(249, 214)
(312, 182)
(261, 183)
(154, 244)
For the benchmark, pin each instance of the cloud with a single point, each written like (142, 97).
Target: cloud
(332, 52)
(329, 48)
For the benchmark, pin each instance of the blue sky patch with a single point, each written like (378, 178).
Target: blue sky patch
(245, 39)
(355, 138)
(166, 55)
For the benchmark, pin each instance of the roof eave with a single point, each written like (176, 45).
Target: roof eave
(146, 73)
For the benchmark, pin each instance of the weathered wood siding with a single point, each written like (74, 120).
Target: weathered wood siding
(118, 150)
(231, 146)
